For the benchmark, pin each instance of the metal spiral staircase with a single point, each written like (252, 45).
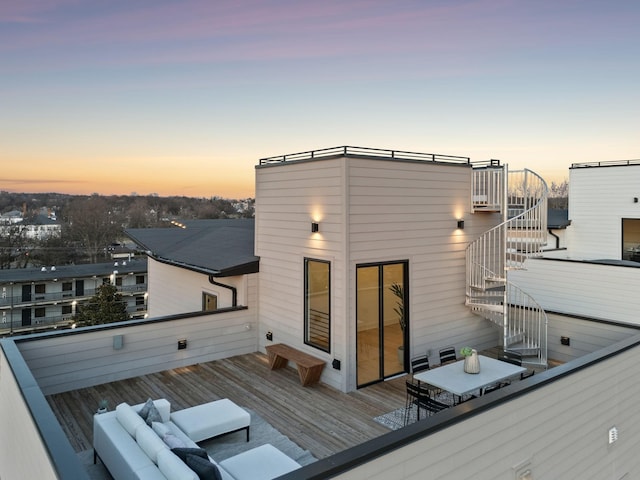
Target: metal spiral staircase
(521, 196)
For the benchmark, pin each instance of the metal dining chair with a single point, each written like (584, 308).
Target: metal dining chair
(448, 355)
(421, 398)
(419, 364)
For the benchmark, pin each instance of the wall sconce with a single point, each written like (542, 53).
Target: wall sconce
(461, 224)
(269, 336)
(182, 344)
(635, 199)
(315, 227)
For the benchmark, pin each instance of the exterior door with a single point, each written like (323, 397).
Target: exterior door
(381, 321)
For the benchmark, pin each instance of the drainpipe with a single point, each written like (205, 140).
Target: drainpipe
(554, 236)
(234, 290)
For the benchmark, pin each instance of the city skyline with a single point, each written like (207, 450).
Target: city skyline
(184, 98)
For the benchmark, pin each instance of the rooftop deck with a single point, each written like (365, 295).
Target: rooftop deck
(317, 418)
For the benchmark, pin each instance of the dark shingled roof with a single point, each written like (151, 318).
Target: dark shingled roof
(217, 247)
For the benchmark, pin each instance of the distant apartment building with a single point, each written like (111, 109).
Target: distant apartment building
(41, 227)
(33, 299)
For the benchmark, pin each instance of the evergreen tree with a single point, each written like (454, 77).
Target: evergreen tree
(106, 306)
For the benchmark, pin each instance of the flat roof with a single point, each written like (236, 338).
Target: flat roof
(61, 272)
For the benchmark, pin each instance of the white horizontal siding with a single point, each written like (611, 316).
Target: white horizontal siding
(607, 292)
(173, 290)
(288, 198)
(598, 200)
(70, 362)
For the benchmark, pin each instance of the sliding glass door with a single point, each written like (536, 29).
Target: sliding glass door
(382, 320)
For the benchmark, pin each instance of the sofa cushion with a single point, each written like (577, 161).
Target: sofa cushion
(144, 411)
(182, 452)
(173, 468)
(203, 467)
(149, 442)
(261, 463)
(160, 428)
(128, 418)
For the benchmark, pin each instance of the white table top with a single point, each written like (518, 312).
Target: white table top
(454, 379)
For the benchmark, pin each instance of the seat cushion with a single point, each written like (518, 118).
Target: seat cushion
(211, 419)
(261, 463)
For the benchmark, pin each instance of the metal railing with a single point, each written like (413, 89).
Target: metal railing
(488, 187)
(349, 151)
(65, 296)
(607, 163)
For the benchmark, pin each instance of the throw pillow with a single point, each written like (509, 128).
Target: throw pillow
(160, 428)
(153, 416)
(173, 441)
(203, 468)
(183, 452)
(144, 411)
(149, 442)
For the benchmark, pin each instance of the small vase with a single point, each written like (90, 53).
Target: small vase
(472, 363)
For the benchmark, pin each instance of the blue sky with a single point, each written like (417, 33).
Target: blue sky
(184, 97)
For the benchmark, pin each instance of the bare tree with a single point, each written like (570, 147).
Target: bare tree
(92, 224)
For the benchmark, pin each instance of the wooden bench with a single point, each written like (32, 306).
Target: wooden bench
(309, 367)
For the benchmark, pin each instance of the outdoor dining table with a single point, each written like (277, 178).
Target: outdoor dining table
(454, 379)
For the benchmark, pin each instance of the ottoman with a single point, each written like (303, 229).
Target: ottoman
(212, 420)
(261, 463)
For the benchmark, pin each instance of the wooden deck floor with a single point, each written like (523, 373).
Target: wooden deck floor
(317, 418)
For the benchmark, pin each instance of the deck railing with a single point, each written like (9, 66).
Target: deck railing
(349, 151)
(608, 163)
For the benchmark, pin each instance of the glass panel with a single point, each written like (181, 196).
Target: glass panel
(394, 318)
(317, 304)
(368, 325)
(631, 239)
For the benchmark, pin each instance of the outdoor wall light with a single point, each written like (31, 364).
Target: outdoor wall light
(269, 336)
(461, 224)
(182, 344)
(315, 227)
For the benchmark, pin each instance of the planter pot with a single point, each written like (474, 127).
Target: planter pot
(472, 363)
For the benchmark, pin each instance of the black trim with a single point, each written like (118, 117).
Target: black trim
(234, 290)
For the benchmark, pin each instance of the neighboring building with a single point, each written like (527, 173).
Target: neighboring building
(597, 274)
(43, 298)
(201, 265)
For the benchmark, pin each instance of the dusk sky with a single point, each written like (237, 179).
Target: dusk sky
(184, 97)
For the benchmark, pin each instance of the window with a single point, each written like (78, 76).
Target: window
(67, 289)
(139, 300)
(39, 312)
(67, 310)
(209, 302)
(39, 290)
(317, 303)
(631, 239)
(139, 279)
(119, 281)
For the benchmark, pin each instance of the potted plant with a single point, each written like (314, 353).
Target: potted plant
(471, 360)
(398, 291)
(102, 406)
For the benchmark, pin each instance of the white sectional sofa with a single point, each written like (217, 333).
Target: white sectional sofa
(131, 449)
